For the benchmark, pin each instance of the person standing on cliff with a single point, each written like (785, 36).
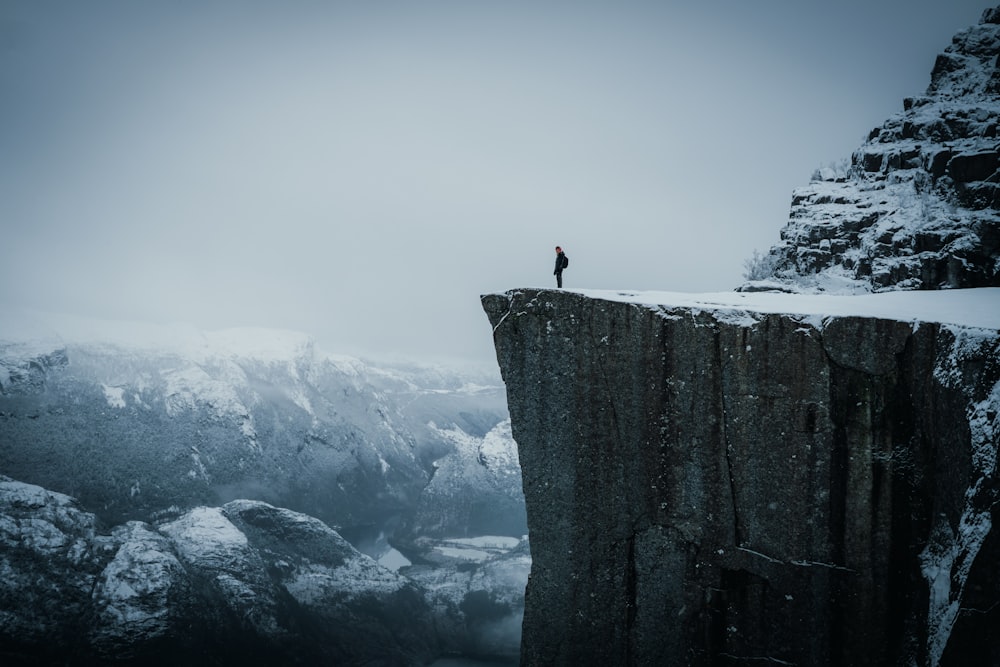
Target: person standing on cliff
(562, 261)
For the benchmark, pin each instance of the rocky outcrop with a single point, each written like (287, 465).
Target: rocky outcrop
(246, 583)
(918, 207)
(722, 486)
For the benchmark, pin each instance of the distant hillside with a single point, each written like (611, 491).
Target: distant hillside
(132, 420)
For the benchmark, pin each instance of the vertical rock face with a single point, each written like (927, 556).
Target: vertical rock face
(710, 488)
(917, 206)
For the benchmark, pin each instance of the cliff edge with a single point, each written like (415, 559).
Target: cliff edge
(731, 478)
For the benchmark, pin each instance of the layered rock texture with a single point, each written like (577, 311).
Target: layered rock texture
(716, 485)
(918, 207)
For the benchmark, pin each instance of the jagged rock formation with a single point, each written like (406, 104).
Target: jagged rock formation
(919, 205)
(710, 485)
(713, 485)
(246, 583)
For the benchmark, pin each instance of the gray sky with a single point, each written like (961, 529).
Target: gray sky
(362, 171)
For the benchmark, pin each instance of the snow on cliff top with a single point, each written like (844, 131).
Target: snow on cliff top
(979, 308)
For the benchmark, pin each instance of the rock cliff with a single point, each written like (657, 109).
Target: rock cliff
(719, 483)
(784, 479)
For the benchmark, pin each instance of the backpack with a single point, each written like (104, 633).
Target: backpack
(565, 261)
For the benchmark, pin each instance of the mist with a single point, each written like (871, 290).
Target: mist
(364, 171)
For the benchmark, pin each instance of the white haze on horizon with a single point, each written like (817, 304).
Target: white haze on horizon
(362, 172)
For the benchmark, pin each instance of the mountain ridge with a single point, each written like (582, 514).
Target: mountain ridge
(917, 206)
(250, 411)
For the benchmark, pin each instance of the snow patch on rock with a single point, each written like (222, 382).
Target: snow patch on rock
(115, 396)
(133, 592)
(204, 534)
(948, 558)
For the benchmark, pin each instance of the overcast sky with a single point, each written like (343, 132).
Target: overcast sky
(363, 171)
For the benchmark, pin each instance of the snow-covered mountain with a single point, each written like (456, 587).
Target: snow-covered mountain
(135, 419)
(169, 492)
(245, 583)
(478, 463)
(918, 206)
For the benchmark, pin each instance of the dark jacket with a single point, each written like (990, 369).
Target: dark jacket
(561, 263)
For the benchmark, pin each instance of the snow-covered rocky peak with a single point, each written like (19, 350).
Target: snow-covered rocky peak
(246, 583)
(967, 68)
(918, 207)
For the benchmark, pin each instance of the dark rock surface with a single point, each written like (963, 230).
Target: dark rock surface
(710, 490)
